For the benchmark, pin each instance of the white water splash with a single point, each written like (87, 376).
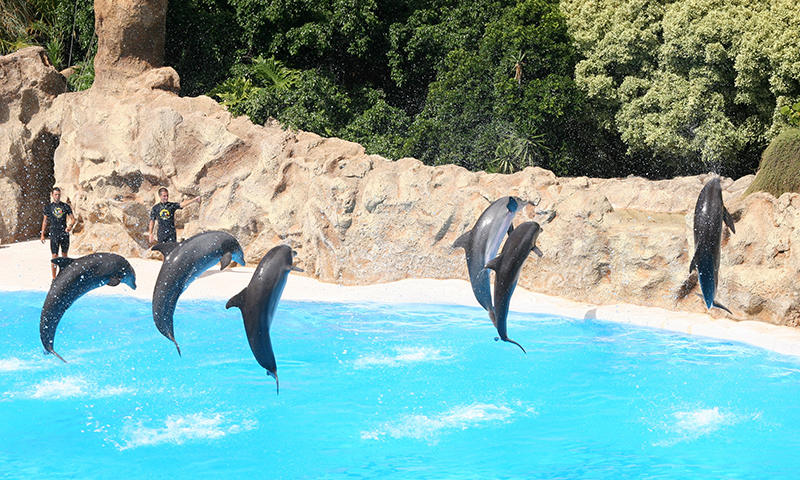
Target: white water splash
(69, 387)
(14, 364)
(178, 429)
(689, 425)
(403, 356)
(422, 427)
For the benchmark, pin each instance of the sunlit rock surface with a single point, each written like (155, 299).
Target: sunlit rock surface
(361, 219)
(28, 86)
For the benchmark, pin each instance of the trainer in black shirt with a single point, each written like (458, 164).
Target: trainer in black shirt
(164, 214)
(57, 213)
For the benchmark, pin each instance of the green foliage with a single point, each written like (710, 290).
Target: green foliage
(792, 113)
(203, 41)
(688, 85)
(64, 27)
(515, 153)
(478, 107)
(780, 165)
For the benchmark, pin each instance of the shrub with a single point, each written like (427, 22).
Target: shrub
(779, 171)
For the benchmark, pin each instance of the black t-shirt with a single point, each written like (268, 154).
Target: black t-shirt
(57, 215)
(165, 214)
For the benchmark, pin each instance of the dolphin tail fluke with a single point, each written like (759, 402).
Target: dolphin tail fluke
(57, 355)
(723, 307)
(515, 343)
(176, 345)
(277, 383)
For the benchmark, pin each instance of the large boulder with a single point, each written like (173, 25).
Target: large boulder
(28, 86)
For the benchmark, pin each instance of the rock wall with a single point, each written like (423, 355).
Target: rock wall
(28, 86)
(362, 219)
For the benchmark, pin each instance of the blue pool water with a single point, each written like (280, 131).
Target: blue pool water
(376, 391)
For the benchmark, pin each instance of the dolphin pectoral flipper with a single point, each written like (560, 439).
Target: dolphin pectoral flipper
(113, 281)
(693, 265)
(536, 250)
(510, 229)
(296, 269)
(728, 219)
(225, 260)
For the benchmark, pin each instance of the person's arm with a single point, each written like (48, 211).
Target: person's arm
(150, 230)
(186, 203)
(44, 225)
(70, 223)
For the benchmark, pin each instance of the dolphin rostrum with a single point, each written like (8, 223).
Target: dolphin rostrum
(482, 242)
(709, 215)
(183, 263)
(75, 278)
(507, 267)
(259, 300)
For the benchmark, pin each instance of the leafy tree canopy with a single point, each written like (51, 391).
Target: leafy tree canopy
(693, 85)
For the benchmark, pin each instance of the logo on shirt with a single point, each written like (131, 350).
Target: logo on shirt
(164, 214)
(58, 212)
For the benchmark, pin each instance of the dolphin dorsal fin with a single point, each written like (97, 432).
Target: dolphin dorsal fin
(113, 281)
(165, 248)
(728, 219)
(236, 300)
(494, 263)
(62, 262)
(463, 240)
(225, 260)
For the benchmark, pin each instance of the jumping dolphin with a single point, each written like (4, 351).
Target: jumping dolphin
(507, 267)
(259, 300)
(76, 277)
(482, 242)
(183, 263)
(709, 215)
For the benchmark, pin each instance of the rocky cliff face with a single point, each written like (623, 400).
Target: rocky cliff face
(357, 218)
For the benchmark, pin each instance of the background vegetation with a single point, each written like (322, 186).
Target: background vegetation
(779, 171)
(583, 87)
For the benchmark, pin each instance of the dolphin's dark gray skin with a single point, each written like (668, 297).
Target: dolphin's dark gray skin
(183, 263)
(507, 267)
(709, 215)
(75, 278)
(259, 300)
(482, 242)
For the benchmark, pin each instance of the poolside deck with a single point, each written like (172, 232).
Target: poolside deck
(26, 266)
